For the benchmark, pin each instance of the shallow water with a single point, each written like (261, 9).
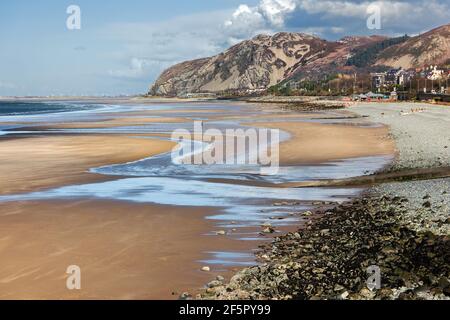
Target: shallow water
(165, 180)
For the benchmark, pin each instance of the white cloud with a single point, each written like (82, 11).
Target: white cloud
(393, 13)
(274, 15)
(146, 49)
(268, 14)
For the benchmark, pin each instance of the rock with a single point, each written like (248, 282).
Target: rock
(266, 225)
(268, 230)
(366, 293)
(427, 204)
(206, 269)
(318, 270)
(214, 283)
(407, 295)
(265, 257)
(338, 288)
(384, 293)
(221, 232)
(220, 278)
(307, 213)
(444, 284)
(446, 291)
(308, 265)
(343, 295)
(185, 296)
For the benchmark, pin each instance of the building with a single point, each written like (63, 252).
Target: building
(392, 77)
(435, 74)
(378, 80)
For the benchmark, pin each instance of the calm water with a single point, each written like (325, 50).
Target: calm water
(36, 108)
(166, 181)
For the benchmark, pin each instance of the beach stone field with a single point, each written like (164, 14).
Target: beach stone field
(402, 228)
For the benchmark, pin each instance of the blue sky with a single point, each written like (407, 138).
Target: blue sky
(122, 46)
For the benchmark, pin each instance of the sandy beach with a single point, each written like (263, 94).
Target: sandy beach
(34, 163)
(125, 251)
(318, 143)
(400, 227)
(128, 250)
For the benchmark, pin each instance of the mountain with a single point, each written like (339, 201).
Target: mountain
(266, 60)
(432, 48)
(253, 64)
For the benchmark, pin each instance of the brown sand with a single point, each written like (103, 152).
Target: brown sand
(28, 164)
(131, 121)
(124, 250)
(315, 142)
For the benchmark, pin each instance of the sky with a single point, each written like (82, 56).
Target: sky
(122, 46)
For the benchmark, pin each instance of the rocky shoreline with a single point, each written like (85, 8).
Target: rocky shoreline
(329, 259)
(300, 104)
(402, 228)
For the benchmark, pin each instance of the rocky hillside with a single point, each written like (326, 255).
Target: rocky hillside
(432, 47)
(265, 60)
(253, 64)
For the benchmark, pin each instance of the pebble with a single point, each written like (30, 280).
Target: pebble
(220, 278)
(309, 265)
(206, 269)
(268, 230)
(214, 283)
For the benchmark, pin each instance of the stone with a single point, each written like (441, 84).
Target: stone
(338, 288)
(384, 293)
(427, 204)
(214, 283)
(444, 282)
(220, 278)
(366, 293)
(206, 269)
(221, 233)
(307, 213)
(185, 296)
(344, 295)
(268, 230)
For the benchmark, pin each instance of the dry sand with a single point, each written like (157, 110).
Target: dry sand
(315, 142)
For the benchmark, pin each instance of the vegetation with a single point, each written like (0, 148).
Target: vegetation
(364, 57)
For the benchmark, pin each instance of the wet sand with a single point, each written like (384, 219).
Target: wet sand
(34, 163)
(111, 123)
(124, 250)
